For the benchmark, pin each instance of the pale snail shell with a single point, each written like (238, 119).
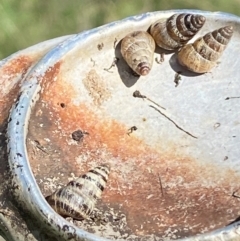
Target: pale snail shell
(202, 55)
(177, 30)
(137, 48)
(78, 198)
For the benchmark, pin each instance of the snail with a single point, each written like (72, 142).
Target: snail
(137, 48)
(78, 198)
(177, 30)
(202, 55)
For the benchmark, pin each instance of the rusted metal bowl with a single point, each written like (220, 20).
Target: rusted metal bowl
(173, 171)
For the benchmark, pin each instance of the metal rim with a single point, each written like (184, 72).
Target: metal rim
(31, 197)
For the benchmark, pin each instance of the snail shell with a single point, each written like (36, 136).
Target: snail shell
(202, 55)
(78, 198)
(176, 31)
(137, 48)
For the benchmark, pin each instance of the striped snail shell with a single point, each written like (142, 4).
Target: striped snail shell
(78, 198)
(137, 48)
(176, 31)
(202, 55)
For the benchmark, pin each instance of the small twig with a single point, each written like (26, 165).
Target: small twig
(137, 94)
(115, 43)
(93, 62)
(233, 194)
(156, 103)
(160, 183)
(115, 60)
(228, 98)
(180, 128)
(131, 130)
(161, 59)
(177, 78)
(39, 146)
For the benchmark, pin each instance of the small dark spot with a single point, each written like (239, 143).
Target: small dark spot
(225, 158)
(137, 94)
(17, 123)
(65, 228)
(19, 154)
(62, 105)
(78, 135)
(100, 46)
(29, 189)
(10, 119)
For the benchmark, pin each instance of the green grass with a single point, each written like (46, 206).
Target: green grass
(24, 23)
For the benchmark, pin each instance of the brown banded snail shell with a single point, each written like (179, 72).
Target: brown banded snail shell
(78, 198)
(176, 31)
(202, 55)
(137, 48)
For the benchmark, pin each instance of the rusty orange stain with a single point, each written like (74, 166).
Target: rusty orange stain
(6, 104)
(17, 65)
(9, 91)
(184, 200)
(112, 134)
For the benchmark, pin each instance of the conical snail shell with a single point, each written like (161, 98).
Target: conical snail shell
(176, 31)
(202, 55)
(137, 48)
(78, 198)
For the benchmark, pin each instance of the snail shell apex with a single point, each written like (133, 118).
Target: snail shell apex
(202, 55)
(137, 48)
(177, 30)
(78, 198)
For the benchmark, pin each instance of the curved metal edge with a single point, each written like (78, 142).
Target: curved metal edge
(35, 48)
(31, 197)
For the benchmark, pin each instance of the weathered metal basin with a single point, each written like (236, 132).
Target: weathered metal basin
(173, 170)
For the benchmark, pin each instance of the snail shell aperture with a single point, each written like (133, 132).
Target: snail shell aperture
(78, 198)
(137, 48)
(176, 31)
(202, 55)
